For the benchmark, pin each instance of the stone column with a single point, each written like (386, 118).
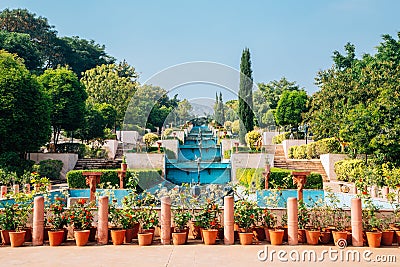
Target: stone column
(356, 222)
(38, 221)
(229, 237)
(3, 191)
(102, 225)
(293, 229)
(16, 188)
(165, 220)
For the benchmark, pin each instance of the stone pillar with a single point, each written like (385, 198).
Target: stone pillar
(356, 222)
(38, 221)
(3, 191)
(27, 188)
(165, 220)
(229, 237)
(293, 229)
(102, 225)
(92, 179)
(121, 175)
(300, 179)
(16, 188)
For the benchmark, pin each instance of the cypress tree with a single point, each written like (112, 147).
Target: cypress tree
(221, 109)
(246, 114)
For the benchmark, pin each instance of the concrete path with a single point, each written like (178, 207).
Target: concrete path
(193, 254)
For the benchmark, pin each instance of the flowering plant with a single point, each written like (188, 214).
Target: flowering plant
(246, 214)
(123, 218)
(56, 215)
(269, 218)
(15, 215)
(208, 216)
(181, 218)
(40, 184)
(80, 214)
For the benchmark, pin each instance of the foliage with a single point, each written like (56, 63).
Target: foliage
(235, 126)
(208, 216)
(15, 215)
(56, 215)
(253, 140)
(219, 111)
(13, 162)
(279, 178)
(92, 127)
(349, 170)
(227, 154)
(21, 100)
(76, 148)
(50, 168)
(149, 139)
(314, 149)
(273, 90)
(111, 84)
(303, 215)
(40, 184)
(67, 99)
(80, 214)
(246, 214)
(291, 106)
(245, 110)
(278, 139)
(146, 177)
(181, 218)
(269, 218)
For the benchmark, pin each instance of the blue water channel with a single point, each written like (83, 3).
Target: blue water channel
(199, 160)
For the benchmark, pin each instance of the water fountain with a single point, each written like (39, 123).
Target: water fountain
(199, 160)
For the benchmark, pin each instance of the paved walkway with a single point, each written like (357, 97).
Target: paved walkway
(187, 255)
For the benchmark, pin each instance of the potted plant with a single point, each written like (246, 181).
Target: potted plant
(117, 220)
(313, 231)
(81, 218)
(269, 222)
(181, 219)
(124, 165)
(387, 232)
(148, 218)
(303, 216)
(57, 219)
(14, 218)
(245, 214)
(208, 220)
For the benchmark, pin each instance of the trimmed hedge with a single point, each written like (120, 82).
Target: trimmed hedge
(349, 170)
(279, 178)
(50, 168)
(315, 149)
(147, 177)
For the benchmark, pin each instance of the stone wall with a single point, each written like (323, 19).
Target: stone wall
(172, 145)
(267, 137)
(249, 160)
(145, 161)
(69, 160)
(111, 146)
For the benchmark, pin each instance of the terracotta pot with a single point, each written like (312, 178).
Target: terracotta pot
(312, 237)
(387, 238)
(246, 238)
(56, 237)
(145, 239)
(259, 233)
(151, 230)
(184, 230)
(276, 236)
(266, 231)
(325, 237)
(210, 236)
(28, 234)
(17, 239)
(81, 237)
(92, 236)
(337, 235)
(124, 166)
(5, 236)
(374, 239)
(397, 237)
(128, 235)
(117, 237)
(179, 238)
(302, 236)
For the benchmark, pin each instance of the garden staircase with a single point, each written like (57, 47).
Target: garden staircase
(313, 165)
(91, 164)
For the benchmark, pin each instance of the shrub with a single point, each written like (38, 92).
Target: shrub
(146, 177)
(76, 148)
(50, 168)
(279, 178)
(314, 149)
(12, 162)
(149, 139)
(349, 170)
(227, 154)
(278, 139)
(252, 139)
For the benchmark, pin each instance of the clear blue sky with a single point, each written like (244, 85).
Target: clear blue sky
(294, 39)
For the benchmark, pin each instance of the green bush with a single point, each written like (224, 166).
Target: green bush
(278, 139)
(314, 149)
(227, 154)
(349, 170)
(12, 162)
(252, 138)
(76, 148)
(279, 178)
(50, 168)
(146, 177)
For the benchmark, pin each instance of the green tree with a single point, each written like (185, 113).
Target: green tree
(245, 111)
(291, 106)
(24, 108)
(67, 97)
(21, 44)
(184, 110)
(108, 84)
(93, 125)
(219, 112)
(273, 90)
(231, 110)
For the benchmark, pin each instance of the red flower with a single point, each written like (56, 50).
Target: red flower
(364, 193)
